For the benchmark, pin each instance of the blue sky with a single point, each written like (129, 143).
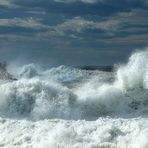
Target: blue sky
(72, 32)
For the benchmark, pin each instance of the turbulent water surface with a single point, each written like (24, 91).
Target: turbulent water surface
(65, 107)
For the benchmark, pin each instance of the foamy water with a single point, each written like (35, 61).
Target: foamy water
(67, 107)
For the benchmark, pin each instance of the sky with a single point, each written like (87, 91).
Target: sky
(72, 32)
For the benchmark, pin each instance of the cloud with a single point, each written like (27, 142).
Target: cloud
(133, 17)
(131, 39)
(22, 22)
(78, 25)
(8, 3)
(76, 7)
(109, 2)
(73, 1)
(52, 3)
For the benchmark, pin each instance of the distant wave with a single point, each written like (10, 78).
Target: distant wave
(101, 68)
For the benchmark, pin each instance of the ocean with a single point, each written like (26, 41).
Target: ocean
(76, 107)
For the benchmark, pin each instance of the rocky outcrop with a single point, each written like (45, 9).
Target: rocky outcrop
(4, 74)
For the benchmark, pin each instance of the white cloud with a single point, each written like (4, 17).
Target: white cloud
(78, 24)
(7, 3)
(26, 23)
(130, 39)
(146, 1)
(84, 1)
(134, 17)
(11, 3)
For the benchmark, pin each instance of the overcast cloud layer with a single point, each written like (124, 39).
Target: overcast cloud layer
(72, 32)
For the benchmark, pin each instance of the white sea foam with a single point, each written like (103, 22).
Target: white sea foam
(102, 133)
(43, 106)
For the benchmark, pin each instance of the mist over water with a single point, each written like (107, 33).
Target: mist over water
(69, 107)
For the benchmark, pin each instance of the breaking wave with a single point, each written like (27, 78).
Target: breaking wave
(45, 95)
